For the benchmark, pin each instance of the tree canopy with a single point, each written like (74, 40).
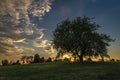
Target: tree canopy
(80, 37)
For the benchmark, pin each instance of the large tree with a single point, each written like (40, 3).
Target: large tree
(80, 37)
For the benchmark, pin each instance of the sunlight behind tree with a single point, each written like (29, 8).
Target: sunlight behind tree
(80, 37)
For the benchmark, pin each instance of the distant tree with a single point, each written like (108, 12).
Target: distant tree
(80, 37)
(31, 58)
(11, 62)
(49, 59)
(112, 60)
(23, 59)
(28, 59)
(36, 58)
(42, 59)
(16, 63)
(117, 60)
(5, 62)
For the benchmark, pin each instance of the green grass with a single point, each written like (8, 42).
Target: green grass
(61, 71)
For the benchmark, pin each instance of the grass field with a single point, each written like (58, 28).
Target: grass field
(61, 71)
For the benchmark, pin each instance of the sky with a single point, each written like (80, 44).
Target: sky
(26, 26)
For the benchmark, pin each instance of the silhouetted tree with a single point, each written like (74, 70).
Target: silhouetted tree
(117, 60)
(31, 58)
(16, 63)
(49, 59)
(80, 37)
(23, 59)
(5, 62)
(112, 60)
(36, 58)
(27, 59)
(42, 59)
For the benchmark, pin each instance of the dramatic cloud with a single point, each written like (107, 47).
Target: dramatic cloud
(23, 8)
(16, 25)
(42, 43)
(47, 46)
(15, 17)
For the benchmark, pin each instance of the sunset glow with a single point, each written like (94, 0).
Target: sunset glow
(26, 26)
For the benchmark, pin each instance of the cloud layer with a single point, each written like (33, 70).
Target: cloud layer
(16, 25)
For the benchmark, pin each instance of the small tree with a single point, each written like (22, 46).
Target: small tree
(28, 58)
(42, 59)
(49, 59)
(31, 58)
(17, 62)
(23, 59)
(5, 62)
(36, 58)
(112, 60)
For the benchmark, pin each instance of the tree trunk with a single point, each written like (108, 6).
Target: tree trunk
(81, 57)
(102, 58)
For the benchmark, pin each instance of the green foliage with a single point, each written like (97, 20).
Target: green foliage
(80, 37)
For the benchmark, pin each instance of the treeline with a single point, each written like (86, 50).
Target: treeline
(28, 60)
(37, 59)
(5, 62)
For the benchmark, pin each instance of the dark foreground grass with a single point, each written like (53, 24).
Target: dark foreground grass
(61, 71)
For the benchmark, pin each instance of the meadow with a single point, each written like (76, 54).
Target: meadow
(62, 71)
